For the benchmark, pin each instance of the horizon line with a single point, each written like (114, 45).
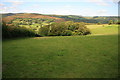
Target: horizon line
(49, 14)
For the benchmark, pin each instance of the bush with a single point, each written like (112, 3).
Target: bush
(67, 33)
(64, 29)
(13, 32)
(110, 22)
(55, 29)
(98, 23)
(83, 30)
(43, 31)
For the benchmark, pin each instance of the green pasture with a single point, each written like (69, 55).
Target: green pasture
(103, 29)
(63, 56)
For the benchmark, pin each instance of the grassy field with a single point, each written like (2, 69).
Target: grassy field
(63, 57)
(103, 29)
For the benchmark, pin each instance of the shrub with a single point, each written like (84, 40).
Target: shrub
(55, 29)
(67, 33)
(98, 23)
(43, 31)
(110, 22)
(64, 29)
(13, 32)
(83, 30)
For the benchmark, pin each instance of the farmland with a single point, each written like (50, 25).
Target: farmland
(44, 39)
(90, 56)
(103, 29)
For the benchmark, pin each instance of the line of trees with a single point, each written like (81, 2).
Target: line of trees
(13, 31)
(95, 19)
(113, 22)
(64, 29)
(30, 21)
(53, 29)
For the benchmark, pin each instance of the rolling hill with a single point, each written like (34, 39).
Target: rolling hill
(60, 18)
(8, 18)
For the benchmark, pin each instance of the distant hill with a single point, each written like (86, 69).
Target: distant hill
(95, 19)
(59, 18)
(9, 17)
(7, 14)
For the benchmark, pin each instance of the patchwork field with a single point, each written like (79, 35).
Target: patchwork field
(92, 56)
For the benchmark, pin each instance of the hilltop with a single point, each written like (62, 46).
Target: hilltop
(9, 17)
(60, 18)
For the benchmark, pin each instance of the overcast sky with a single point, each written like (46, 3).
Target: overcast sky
(61, 7)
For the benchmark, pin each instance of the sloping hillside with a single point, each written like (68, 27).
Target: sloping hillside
(86, 19)
(30, 15)
(7, 14)
(59, 18)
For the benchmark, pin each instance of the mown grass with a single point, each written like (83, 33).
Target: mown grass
(61, 57)
(103, 29)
